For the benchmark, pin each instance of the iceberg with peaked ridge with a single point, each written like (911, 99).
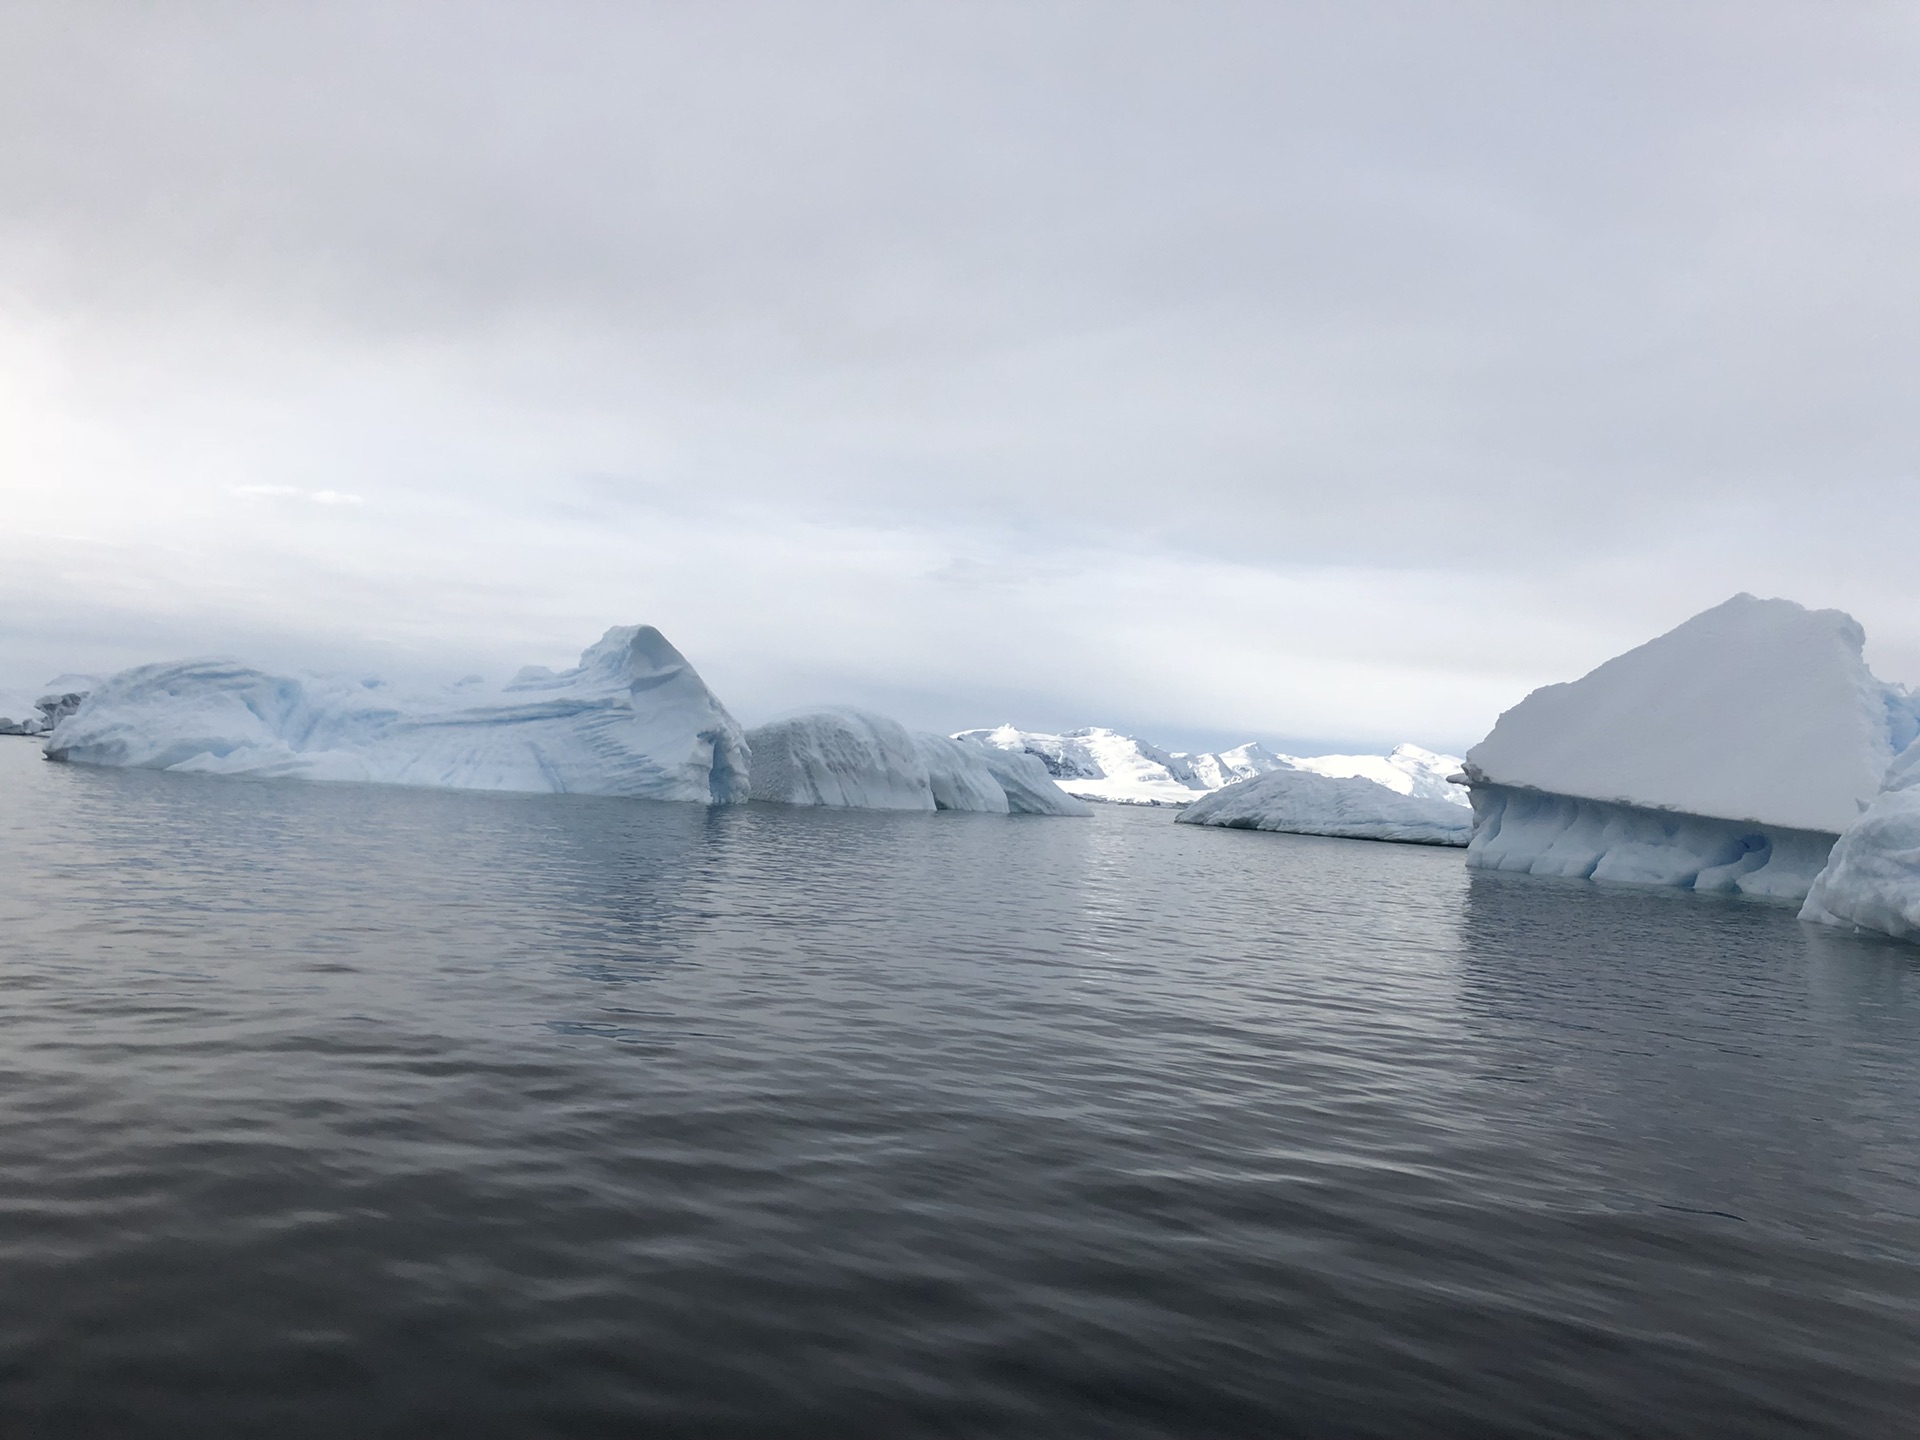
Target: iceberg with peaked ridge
(1727, 754)
(633, 718)
(1872, 878)
(848, 758)
(1302, 802)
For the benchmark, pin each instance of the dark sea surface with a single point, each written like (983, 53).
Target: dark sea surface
(350, 1111)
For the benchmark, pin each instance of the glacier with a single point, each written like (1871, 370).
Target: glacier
(1303, 802)
(633, 718)
(1872, 877)
(1101, 764)
(1725, 755)
(850, 758)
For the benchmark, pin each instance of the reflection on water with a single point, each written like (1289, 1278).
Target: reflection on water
(345, 1110)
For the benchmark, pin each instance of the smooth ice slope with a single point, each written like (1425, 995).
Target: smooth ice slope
(842, 757)
(1872, 878)
(1303, 803)
(633, 718)
(1755, 710)
(1725, 755)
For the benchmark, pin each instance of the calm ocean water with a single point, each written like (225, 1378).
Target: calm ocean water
(352, 1111)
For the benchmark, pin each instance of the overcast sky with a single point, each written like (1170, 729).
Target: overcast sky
(1335, 371)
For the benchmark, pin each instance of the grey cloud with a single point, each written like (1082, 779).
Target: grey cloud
(1611, 308)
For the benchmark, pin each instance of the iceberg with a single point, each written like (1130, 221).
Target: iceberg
(1029, 789)
(1726, 755)
(1872, 878)
(959, 776)
(1302, 802)
(842, 757)
(64, 694)
(854, 759)
(633, 718)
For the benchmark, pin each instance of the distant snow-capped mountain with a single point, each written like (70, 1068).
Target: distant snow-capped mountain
(1101, 764)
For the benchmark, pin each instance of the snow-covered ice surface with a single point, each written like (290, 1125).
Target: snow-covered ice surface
(1725, 755)
(839, 756)
(1754, 710)
(633, 718)
(1409, 770)
(1872, 878)
(1305, 803)
(1101, 764)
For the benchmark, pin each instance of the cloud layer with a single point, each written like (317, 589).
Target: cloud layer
(1312, 370)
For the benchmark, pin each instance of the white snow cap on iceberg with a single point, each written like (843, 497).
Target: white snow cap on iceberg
(1304, 803)
(1872, 878)
(1756, 711)
(633, 718)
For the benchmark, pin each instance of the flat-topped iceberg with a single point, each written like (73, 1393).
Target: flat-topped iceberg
(633, 718)
(848, 758)
(1872, 878)
(1304, 803)
(1726, 754)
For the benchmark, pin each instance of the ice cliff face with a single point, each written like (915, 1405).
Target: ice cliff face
(1101, 764)
(1872, 878)
(633, 718)
(855, 759)
(1305, 803)
(1725, 755)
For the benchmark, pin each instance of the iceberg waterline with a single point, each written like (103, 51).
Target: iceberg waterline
(633, 718)
(1872, 877)
(1728, 754)
(845, 757)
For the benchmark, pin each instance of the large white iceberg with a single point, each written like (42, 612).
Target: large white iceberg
(633, 718)
(840, 757)
(854, 759)
(1305, 803)
(1097, 763)
(1725, 755)
(1872, 878)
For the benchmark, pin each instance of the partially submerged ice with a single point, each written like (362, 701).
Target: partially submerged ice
(633, 718)
(1872, 878)
(1304, 803)
(848, 758)
(1726, 755)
